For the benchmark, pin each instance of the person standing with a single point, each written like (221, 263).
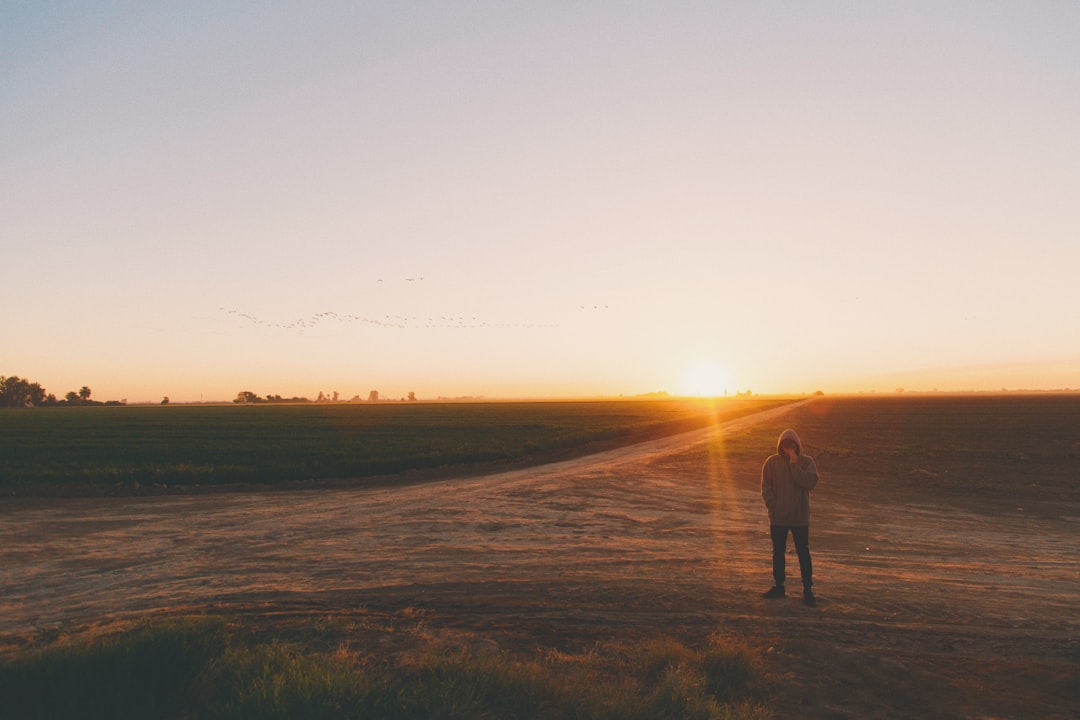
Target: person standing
(786, 481)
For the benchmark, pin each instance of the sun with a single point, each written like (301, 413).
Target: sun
(706, 380)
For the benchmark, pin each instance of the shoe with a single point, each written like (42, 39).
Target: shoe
(775, 592)
(808, 597)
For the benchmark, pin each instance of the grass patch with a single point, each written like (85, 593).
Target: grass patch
(211, 668)
(130, 448)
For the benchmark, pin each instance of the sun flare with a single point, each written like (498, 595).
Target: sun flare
(706, 381)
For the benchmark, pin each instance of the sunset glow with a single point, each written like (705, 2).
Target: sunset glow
(706, 381)
(507, 200)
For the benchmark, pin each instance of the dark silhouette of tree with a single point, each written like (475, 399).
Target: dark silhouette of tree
(165, 400)
(17, 392)
(246, 396)
(373, 396)
(412, 397)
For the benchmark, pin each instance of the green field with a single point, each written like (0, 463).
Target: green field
(154, 448)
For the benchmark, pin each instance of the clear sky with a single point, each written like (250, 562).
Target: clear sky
(538, 199)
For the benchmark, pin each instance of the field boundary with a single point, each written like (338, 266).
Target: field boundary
(259, 449)
(666, 445)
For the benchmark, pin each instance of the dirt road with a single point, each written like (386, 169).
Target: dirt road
(925, 609)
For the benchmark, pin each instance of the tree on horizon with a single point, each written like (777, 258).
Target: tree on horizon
(17, 392)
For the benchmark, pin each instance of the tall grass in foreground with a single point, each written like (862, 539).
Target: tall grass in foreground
(203, 668)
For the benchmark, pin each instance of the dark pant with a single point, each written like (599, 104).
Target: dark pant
(801, 535)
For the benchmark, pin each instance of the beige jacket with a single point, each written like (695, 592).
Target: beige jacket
(786, 486)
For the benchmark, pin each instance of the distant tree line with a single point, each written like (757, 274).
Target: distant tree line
(19, 392)
(245, 397)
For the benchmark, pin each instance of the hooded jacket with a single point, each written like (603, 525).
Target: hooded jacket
(786, 486)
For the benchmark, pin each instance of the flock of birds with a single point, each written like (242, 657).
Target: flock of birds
(460, 322)
(388, 321)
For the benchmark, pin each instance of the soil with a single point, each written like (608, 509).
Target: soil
(931, 604)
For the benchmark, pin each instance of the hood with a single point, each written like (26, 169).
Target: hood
(789, 434)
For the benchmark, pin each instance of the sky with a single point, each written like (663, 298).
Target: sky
(546, 199)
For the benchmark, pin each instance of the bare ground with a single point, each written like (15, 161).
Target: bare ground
(927, 608)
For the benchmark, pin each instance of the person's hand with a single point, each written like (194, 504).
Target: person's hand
(792, 455)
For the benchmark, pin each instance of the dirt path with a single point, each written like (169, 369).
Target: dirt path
(925, 611)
